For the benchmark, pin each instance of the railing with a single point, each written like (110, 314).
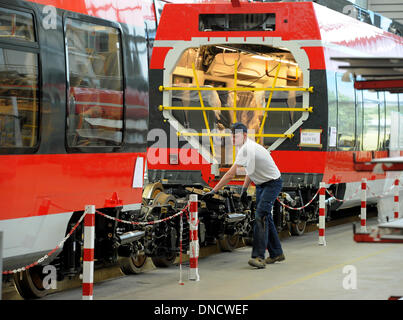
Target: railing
(235, 89)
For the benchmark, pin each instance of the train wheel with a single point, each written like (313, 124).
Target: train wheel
(298, 228)
(132, 264)
(151, 190)
(163, 198)
(228, 243)
(29, 283)
(164, 262)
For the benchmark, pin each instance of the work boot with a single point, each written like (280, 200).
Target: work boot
(257, 262)
(269, 260)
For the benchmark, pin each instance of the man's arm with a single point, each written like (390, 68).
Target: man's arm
(246, 183)
(230, 174)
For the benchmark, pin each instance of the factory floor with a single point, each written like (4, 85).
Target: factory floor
(341, 270)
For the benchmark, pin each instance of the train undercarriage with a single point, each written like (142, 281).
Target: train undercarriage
(225, 220)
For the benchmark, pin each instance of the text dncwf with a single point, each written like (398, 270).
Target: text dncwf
(232, 309)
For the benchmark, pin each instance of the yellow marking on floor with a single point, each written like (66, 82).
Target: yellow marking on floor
(313, 275)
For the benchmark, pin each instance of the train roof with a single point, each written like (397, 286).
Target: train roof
(293, 20)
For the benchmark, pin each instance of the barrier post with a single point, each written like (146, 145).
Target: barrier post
(180, 249)
(322, 214)
(396, 198)
(88, 256)
(1, 263)
(193, 239)
(363, 215)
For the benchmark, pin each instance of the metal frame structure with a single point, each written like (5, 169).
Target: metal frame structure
(235, 89)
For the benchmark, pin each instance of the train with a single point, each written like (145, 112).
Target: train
(106, 103)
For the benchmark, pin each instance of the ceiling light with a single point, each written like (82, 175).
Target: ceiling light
(225, 48)
(274, 59)
(263, 58)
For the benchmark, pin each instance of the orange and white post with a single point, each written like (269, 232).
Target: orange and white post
(88, 256)
(193, 239)
(363, 215)
(322, 214)
(396, 198)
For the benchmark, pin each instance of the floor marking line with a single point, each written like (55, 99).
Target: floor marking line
(315, 274)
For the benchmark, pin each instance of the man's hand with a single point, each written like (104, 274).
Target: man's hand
(208, 195)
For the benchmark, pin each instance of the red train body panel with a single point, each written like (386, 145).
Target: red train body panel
(43, 183)
(322, 33)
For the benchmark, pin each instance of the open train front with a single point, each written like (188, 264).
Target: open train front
(260, 65)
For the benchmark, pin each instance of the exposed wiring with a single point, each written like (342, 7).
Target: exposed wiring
(230, 65)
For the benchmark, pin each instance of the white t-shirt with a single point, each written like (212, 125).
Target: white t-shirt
(258, 163)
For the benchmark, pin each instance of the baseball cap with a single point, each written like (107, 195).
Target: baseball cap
(238, 126)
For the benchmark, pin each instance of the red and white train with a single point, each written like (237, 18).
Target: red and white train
(81, 109)
(244, 45)
(73, 122)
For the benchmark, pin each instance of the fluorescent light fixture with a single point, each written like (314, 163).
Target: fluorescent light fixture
(274, 59)
(225, 48)
(263, 58)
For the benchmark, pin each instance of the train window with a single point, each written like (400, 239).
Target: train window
(16, 25)
(95, 105)
(19, 112)
(237, 22)
(382, 117)
(214, 83)
(178, 80)
(359, 119)
(19, 103)
(371, 120)
(392, 121)
(400, 123)
(345, 114)
(332, 100)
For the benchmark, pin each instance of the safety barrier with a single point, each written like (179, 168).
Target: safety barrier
(46, 256)
(396, 198)
(363, 216)
(363, 205)
(191, 208)
(193, 239)
(88, 255)
(89, 244)
(322, 214)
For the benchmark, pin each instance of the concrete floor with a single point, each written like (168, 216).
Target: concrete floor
(310, 272)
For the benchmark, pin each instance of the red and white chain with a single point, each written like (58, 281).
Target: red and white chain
(300, 208)
(142, 223)
(46, 256)
(329, 192)
(61, 243)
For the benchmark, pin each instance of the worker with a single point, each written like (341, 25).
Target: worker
(263, 172)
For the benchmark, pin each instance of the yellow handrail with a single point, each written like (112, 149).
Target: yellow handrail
(162, 88)
(234, 104)
(161, 108)
(214, 134)
(203, 108)
(235, 89)
(268, 101)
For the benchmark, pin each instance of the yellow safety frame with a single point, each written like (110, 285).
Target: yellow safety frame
(234, 108)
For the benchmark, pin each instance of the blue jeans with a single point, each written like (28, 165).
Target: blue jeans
(264, 231)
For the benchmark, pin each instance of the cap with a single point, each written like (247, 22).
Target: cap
(238, 126)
